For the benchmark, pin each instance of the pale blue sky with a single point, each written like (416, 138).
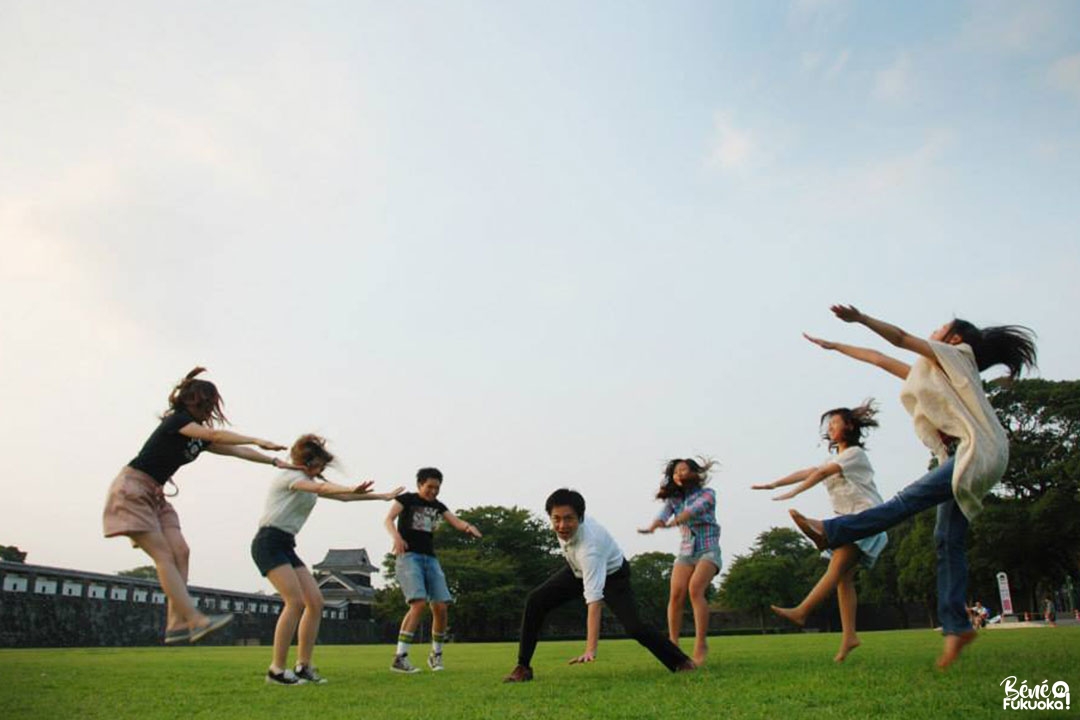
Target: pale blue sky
(534, 244)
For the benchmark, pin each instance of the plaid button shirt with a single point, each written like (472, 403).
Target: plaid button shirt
(701, 533)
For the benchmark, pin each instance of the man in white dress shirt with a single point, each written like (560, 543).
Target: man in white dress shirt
(595, 567)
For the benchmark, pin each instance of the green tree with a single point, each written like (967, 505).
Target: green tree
(779, 570)
(146, 572)
(651, 576)
(1042, 418)
(1030, 527)
(916, 563)
(11, 553)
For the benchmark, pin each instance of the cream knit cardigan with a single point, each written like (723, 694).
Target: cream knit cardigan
(947, 396)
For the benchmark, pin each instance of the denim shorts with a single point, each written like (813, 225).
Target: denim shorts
(712, 556)
(421, 578)
(869, 549)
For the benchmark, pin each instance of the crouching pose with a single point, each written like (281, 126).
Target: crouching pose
(595, 567)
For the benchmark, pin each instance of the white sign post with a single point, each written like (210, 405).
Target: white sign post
(1006, 598)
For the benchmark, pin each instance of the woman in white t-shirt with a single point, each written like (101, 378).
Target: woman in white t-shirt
(944, 395)
(290, 500)
(849, 478)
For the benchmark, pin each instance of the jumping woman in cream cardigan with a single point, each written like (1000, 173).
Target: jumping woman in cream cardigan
(943, 393)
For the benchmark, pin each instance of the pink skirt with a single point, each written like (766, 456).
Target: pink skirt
(135, 504)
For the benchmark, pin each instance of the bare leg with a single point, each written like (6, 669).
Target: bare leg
(411, 621)
(309, 621)
(954, 643)
(843, 558)
(848, 602)
(680, 585)
(157, 546)
(285, 581)
(181, 556)
(704, 572)
(439, 616)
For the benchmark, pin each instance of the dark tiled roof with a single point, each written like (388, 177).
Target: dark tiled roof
(354, 560)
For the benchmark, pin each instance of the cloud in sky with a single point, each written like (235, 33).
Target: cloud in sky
(1064, 75)
(1008, 27)
(895, 84)
(732, 147)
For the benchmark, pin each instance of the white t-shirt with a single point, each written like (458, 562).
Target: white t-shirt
(592, 555)
(852, 489)
(287, 509)
(947, 396)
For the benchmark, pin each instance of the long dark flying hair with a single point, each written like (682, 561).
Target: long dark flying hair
(198, 397)
(699, 475)
(1010, 345)
(857, 421)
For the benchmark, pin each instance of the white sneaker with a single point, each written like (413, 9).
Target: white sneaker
(434, 661)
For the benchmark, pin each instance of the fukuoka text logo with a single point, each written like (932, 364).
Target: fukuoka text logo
(1042, 696)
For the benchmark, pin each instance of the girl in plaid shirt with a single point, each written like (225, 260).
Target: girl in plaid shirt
(691, 507)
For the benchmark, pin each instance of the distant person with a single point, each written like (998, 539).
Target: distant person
(596, 569)
(417, 569)
(1049, 611)
(944, 394)
(849, 479)
(289, 502)
(979, 615)
(136, 504)
(691, 507)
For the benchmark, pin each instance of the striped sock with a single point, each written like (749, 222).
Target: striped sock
(437, 639)
(403, 640)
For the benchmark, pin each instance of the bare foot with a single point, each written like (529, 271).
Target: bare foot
(846, 646)
(789, 614)
(813, 529)
(953, 645)
(699, 656)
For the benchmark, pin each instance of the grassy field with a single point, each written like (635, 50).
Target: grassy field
(787, 676)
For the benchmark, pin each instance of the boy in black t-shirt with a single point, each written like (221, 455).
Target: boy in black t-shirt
(417, 569)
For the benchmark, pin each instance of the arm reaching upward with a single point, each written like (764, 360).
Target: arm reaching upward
(895, 335)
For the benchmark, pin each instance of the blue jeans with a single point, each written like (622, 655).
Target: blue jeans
(950, 532)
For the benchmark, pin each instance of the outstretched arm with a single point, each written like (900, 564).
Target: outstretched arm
(791, 479)
(251, 455)
(819, 474)
(225, 437)
(367, 495)
(895, 335)
(889, 364)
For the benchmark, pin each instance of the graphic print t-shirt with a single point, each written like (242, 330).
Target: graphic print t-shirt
(166, 449)
(417, 522)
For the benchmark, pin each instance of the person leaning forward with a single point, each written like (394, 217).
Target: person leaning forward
(596, 568)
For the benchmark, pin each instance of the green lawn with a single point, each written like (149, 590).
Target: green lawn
(785, 676)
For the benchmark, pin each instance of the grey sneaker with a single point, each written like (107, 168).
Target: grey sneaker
(310, 674)
(216, 623)
(285, 677)
(401, 664)
(434, 661)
